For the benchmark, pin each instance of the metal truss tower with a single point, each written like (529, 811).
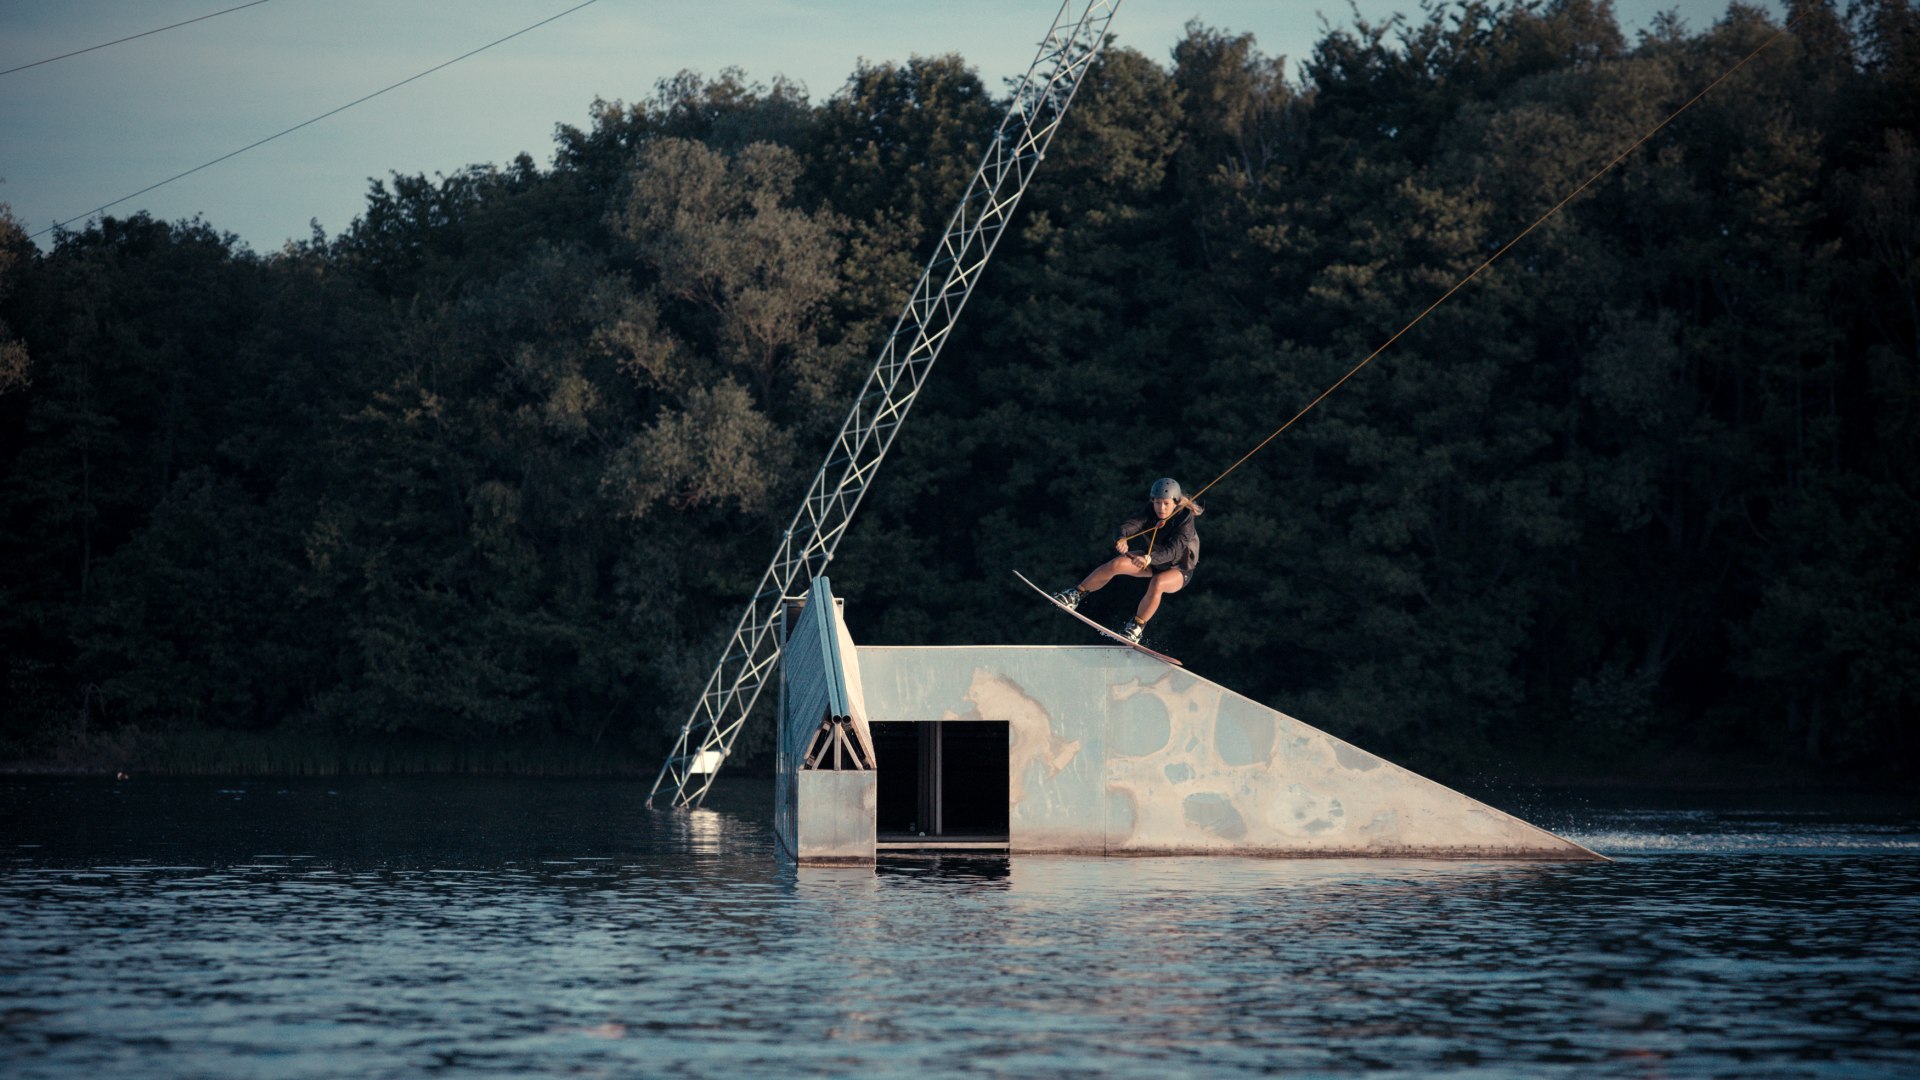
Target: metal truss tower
(752, 654)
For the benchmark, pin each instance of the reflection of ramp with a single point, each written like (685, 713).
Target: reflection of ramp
(1111, 751)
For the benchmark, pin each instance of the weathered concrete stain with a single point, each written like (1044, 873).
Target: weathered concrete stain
(1183, 794)
(1213, 813)
(1033, 742)
(1303, 812)
(1241, 738)
(1138, 726)
(1350, 758)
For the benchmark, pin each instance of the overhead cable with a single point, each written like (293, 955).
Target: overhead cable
(130, 37)
(1458, 285)
(315, 120)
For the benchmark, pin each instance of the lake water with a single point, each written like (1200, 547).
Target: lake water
(390, 927)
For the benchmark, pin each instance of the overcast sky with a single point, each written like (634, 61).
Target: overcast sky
(79, 132)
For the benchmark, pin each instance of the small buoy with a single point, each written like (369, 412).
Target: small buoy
(121, 775)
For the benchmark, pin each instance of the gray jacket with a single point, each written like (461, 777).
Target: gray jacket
(1176, 545)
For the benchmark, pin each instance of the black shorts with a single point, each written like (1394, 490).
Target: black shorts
(1186, 575)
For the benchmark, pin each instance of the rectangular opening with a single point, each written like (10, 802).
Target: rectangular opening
(941, 782)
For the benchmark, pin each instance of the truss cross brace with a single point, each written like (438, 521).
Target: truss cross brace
(752, 654)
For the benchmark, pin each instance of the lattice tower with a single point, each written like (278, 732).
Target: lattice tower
(752, 654)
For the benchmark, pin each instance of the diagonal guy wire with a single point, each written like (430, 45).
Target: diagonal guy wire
(130, 37)
(315, 120)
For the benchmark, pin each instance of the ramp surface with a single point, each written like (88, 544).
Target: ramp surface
(1114, 752)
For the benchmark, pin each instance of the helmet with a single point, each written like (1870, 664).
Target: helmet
(1165, 488)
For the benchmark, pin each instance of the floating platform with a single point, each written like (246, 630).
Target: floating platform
(1092, 749)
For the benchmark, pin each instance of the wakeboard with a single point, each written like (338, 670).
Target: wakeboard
(1103, 631)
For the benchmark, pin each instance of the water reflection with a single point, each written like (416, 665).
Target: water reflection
(964, 869)
(385, 927)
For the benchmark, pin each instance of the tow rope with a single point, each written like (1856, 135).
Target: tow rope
(1491, 259)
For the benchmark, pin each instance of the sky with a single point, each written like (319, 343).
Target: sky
(85, 130)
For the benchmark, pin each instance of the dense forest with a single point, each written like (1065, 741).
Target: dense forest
(503, 459)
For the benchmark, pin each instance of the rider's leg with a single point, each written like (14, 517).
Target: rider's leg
(1118, 566)
(1164, 583)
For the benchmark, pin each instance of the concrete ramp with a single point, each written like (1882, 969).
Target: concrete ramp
(1107, 751)
(1114, 752)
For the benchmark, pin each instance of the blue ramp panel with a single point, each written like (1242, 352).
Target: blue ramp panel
(824, 783)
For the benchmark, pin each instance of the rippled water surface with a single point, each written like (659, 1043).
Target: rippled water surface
(389, 927)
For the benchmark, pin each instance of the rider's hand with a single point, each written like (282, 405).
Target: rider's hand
(1120, 546)
(1140, 562)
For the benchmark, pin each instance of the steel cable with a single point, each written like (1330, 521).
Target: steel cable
(1575, 193)
(131, 37)
(315, 120)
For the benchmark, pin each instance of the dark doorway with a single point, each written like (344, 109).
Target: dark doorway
(941, 780)
(896, 754)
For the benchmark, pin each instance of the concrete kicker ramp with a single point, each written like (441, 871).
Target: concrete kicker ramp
(1114, 752)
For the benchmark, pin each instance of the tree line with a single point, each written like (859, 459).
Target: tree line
(505, 456)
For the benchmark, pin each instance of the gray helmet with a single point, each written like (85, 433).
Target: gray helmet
(1165, 488)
